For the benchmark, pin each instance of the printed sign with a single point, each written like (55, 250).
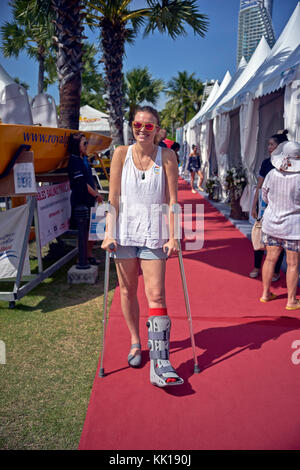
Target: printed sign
(24, 178)
(97, 223)
(54, 211)
(12, 231)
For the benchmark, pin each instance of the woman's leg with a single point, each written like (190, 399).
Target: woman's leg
(258, 256)
(273, 253)
(292, 276)
(279, 263)
(200, 180)
(159, 324)
(128, 271)
(192, 180)
(154, 280)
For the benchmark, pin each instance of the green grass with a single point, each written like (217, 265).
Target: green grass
(52, 339)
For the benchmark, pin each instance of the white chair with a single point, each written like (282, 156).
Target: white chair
(44, 110)
(14, 105)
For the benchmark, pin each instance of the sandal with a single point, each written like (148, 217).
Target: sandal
(296, 307)
(272, 297)
(134, 360)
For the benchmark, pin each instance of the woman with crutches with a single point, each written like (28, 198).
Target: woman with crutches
(143, 177)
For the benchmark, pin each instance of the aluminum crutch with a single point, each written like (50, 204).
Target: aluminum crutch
(104, 320)
(176, 209)
(105, 295)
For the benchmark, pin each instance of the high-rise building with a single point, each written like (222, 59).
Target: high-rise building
(255, 21)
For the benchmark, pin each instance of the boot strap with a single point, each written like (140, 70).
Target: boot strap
(159, 335)
(163, 354)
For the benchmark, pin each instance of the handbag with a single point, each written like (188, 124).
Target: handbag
(256, 235)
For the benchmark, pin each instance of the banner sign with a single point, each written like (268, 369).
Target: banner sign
(12, 231)
(54, 211)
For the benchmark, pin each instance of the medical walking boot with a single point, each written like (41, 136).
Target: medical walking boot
(162, 374)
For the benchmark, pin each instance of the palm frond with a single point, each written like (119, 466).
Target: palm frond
(172, 16)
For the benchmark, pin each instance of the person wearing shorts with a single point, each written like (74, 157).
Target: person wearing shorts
(281, 221)
(143, 181)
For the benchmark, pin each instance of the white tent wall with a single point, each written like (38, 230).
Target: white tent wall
(249, 118)
(221, 133)
(205, 147)
(292, 108)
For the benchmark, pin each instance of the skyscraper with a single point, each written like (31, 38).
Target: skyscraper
(255, 21)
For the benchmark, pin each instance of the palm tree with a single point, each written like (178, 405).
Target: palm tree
(185, 92)
(171, 117)
(93, 87)
(69, 36)
(139, 87)
(30, 31)
(118, 24)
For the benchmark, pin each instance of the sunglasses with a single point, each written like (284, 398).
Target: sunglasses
(85, 143)
(148, 126)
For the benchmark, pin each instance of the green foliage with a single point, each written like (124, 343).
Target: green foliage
(140, 86)
(30, 31)
(93, 87)
(185, 93)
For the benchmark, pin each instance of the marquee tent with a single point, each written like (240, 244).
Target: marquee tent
(92, 120)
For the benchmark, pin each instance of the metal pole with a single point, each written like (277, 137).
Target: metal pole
(104, 320)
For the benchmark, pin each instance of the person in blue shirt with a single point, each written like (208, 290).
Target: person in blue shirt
(194, 166)
(265, 168)
(82, 184)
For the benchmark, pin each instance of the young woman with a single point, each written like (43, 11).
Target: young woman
(194, 166)
(143, 177)
(265, 168)
(83, 191)
(281, 222)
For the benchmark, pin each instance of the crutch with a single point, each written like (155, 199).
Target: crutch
(176, 211)
(105, 295)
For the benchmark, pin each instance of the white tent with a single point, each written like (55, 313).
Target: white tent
(280, 67)
(229, 102)
(92, 120)
(211, 111)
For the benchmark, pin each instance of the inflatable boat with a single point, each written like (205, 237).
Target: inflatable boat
(49, 145)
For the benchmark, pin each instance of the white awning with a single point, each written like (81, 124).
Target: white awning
(93, 120)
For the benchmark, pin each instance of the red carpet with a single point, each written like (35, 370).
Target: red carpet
(247, 394)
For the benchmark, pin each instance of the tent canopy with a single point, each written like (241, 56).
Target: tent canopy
(206, 105)
(229, 102)
(278, 69)
(93, 120)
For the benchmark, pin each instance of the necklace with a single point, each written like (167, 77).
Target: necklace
(143, 171)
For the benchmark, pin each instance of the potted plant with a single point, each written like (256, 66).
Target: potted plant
(235, 182)
(213, 188)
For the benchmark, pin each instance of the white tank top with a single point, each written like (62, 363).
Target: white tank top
(141, 221)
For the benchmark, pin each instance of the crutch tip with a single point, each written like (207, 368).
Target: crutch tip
(196, 369)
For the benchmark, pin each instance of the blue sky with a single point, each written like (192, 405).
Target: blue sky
(209, 57)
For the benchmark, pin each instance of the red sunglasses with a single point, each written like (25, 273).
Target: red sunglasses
(148, 126)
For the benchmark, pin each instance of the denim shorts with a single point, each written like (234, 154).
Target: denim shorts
(290, 245)
(142, 252)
